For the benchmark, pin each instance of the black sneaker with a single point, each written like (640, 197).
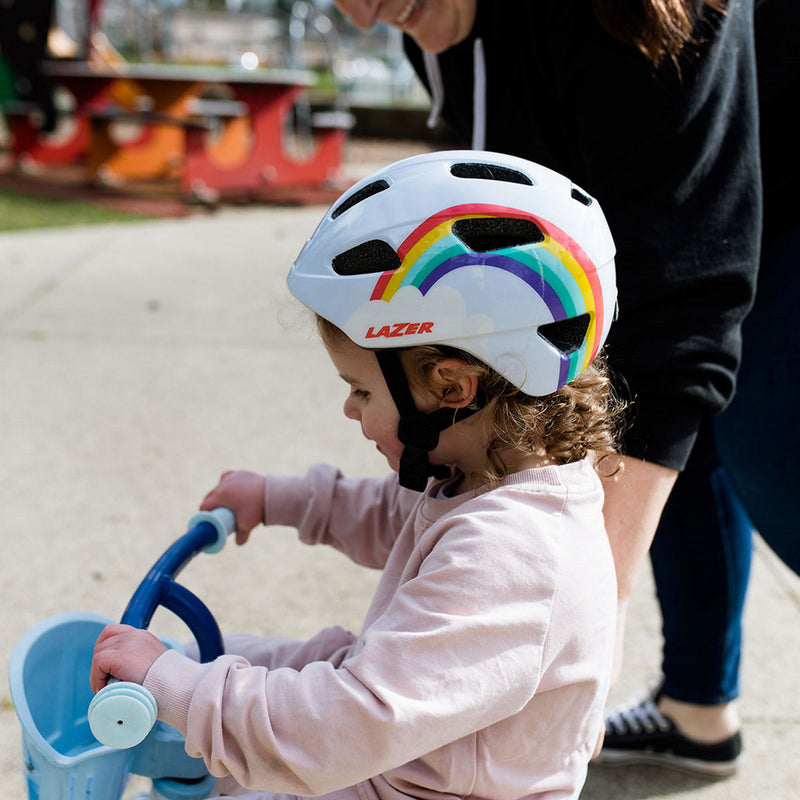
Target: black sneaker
(641, 734)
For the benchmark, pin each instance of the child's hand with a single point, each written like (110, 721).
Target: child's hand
(124, 653)
(243, 493)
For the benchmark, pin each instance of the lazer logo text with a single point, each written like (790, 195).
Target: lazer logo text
(399, 329)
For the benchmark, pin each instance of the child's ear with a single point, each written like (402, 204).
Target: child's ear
(459, 386)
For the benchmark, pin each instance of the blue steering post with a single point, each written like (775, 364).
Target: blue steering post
(123, 713)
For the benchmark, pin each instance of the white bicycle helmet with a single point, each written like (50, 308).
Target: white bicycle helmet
(485, 252)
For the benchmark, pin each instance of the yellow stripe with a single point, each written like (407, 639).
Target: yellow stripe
(418, 250)
(582, 282)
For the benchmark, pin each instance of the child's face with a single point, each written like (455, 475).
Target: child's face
(370, 401)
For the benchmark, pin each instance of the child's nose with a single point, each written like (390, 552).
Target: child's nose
(351, 409)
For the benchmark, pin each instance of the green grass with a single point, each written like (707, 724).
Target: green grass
(25, 212)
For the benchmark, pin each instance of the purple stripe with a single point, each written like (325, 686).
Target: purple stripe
(523, 271)
(563, 371)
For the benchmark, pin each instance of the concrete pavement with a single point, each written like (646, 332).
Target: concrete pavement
(139, 361)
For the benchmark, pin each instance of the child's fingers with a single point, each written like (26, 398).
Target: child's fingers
(209, 503)
(243, 493)
(242, 535)
(126, 653)
(104, 659)
(98, 676)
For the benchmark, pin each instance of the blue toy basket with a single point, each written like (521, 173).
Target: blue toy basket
(62, 720)
(61, 757)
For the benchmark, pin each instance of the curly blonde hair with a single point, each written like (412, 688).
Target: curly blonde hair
(584, 418)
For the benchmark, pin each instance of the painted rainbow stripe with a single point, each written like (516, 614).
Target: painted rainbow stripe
(557, 269)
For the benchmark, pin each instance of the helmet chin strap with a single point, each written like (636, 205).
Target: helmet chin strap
(418, 432)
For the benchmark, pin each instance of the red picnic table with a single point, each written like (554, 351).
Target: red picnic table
(214, 147)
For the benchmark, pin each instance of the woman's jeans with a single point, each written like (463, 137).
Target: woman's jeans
(747, 458)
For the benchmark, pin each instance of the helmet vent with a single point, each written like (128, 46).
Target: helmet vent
(566, 335)
(372, 256)
(362, 194)
(483, 234)
(578, 195)
(489, 172)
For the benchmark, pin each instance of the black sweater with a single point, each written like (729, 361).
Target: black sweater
(674, 161)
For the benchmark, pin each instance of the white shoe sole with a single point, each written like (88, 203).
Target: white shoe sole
(692, 766)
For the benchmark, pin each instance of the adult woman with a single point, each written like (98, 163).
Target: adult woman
(654, 109)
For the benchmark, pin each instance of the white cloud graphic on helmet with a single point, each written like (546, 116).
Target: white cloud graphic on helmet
(412, 318)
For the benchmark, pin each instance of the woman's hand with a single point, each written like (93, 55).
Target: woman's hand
(243, 493)
(124, 653)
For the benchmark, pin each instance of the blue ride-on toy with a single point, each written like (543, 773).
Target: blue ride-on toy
(82, 747)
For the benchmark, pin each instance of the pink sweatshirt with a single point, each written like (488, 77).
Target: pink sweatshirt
(482, 667)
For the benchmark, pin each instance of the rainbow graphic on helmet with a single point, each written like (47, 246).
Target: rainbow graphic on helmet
(556, 268)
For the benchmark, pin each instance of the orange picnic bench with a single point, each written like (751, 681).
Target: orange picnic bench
(233, 142)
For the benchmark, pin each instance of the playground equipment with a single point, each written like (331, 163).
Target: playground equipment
(76, 746)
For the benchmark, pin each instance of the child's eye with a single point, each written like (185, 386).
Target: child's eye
(360, 394)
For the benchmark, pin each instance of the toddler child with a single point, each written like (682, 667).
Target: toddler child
(463, 298)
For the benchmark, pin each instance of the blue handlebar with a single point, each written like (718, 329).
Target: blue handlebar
(208, 532)
(122, 714)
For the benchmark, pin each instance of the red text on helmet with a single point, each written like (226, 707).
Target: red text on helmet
(399, 329)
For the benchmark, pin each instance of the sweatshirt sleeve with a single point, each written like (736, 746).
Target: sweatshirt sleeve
(358, 516)
(474, 613)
